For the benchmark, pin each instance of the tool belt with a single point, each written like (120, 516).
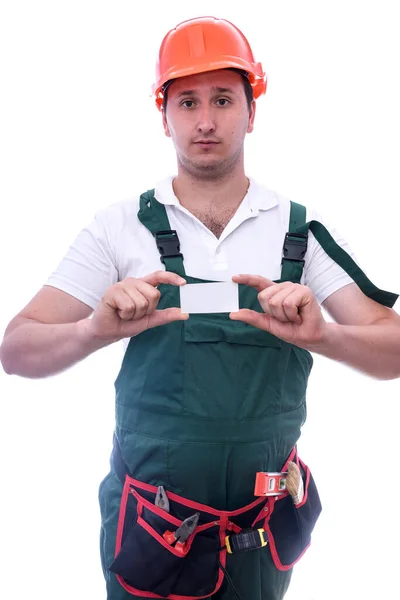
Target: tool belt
(148, 565)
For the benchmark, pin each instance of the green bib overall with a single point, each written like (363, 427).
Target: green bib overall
(203, 405)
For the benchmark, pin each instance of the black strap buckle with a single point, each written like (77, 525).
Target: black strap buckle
(295, 247)
(168, 244)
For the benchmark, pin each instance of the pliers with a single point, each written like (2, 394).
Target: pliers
(161, 500)
(181, 535)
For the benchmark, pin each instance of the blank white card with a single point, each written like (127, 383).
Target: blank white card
(217, 297)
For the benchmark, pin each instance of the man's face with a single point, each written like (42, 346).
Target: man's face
(207, 118)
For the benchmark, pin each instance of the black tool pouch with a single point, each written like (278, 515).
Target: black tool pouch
(289, 526)
(146, 564)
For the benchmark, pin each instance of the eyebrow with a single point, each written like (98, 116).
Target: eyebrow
(219, 90)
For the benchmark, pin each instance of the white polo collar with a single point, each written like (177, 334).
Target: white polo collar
(258, 197)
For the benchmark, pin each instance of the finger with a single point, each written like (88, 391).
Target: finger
(276, 305)
(128, 302)
(292, 304)
(255, 281)
(141, 305)
(271, 303)
(157, 318)
(163, 277)
(252, 317)
(120, 301)
(148, 299)
(268, 292)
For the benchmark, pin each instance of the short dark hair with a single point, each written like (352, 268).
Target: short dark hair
(248, 90)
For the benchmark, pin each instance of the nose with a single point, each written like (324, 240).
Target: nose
(206, 122)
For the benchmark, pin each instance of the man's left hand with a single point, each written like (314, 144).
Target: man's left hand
(291, 311)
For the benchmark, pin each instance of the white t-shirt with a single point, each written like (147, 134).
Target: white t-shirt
(115, 245)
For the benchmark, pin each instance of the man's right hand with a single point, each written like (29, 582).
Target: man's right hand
(130, 307)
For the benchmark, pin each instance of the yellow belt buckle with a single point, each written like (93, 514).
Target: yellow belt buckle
(246, 540)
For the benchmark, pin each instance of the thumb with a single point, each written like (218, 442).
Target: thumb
(162, 317)
(252, 317)
(155, 319)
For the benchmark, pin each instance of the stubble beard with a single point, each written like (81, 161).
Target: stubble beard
(216, 171)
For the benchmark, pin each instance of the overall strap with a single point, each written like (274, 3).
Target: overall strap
(152, 214)
(345, 261)
(295, 247)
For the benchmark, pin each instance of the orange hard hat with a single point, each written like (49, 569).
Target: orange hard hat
(205, 44)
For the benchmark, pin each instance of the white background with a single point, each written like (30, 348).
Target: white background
(79, 131)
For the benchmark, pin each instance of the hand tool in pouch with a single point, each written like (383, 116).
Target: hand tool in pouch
(161, 500)
(276, 484)
(183, 532)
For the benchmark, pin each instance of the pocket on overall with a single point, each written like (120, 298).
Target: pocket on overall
(232, 370)
(289, 526)
(146, 563)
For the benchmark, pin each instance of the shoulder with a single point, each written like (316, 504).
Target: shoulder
(124, 213)
(114, 220)
(268, 198)
(119, 212)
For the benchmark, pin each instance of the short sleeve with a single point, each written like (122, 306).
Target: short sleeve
(89, 266)
(321, 273)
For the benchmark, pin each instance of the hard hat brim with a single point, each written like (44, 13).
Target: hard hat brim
(254, 72)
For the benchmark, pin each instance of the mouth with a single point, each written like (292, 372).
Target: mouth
(206, 143)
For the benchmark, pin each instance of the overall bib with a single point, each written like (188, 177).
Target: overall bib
(201, 406)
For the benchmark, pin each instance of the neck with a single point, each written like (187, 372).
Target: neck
(201, 194)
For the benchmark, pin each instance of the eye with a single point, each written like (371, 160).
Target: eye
(188, 103)
(223, 101)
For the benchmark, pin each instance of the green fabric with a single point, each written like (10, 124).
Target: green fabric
(297, 216)
(210, 380)
(201, 406)
(293, 270)
(341, 257)
(153, 216)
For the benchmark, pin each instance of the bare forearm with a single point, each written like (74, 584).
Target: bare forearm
(34, 349)
(373, 349)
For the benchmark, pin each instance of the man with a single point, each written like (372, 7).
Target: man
(205, 403)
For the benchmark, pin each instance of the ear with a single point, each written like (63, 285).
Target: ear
(252, 115)
(165, 124)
